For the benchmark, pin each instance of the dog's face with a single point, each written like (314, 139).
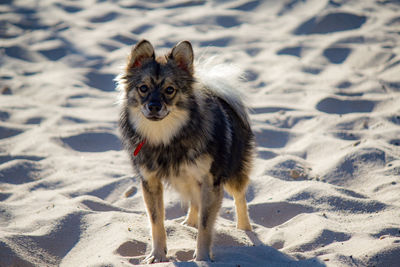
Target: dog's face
(159, 86)
(158, 91)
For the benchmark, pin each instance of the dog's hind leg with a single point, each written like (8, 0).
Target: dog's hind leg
(211, 199)
(192, 217)
(153, 197)
(239, 195)
(243, 221)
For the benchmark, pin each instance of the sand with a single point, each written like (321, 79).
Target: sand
(323, 83)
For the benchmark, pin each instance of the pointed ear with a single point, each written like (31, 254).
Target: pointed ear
(141, 52)
(182, 54)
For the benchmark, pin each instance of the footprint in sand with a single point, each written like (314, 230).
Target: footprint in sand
(331, 22)
(93, 142)
(4, 115)
(227, 21)
(277, 213)
(19, 171)
(344, 85)
(6, 132)
(34, 120)
(142, 28)
(253, 51)
(271, 138)
(125, 39)
(132, 249)
(333, 105)
(248, 5)
(70, 120)
(29, 20)
(336, 55)
(54, 53)
(184, 255)
(324, 238)
(20, 53)
(108, 47)
(312, 70)
(101, 81)
(251, 75)
(69, 8)
(291, 50)
(104, 18)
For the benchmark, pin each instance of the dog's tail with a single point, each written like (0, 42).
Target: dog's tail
(224, 80)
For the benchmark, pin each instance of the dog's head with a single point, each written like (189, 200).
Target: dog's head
(158, 91)
(158, 86)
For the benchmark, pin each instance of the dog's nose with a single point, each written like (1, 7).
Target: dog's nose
(154, 107)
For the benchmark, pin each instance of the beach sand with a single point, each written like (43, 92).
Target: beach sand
(323, 85)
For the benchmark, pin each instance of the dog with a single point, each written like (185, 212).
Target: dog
(189, 132)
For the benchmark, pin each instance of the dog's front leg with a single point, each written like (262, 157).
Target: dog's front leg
(153, 196)
(211, 199)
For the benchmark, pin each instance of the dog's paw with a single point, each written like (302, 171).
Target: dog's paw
(202, 256)
(190, 223)
(155, 256)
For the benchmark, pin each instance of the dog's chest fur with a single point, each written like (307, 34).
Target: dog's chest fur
(188, 180)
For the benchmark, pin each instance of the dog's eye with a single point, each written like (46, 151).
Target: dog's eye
(143, 88)
(169, 90)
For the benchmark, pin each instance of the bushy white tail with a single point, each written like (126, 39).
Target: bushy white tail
(224, 80)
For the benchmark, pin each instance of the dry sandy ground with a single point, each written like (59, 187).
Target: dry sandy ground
(324, 88)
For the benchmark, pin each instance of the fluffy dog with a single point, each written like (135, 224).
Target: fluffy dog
(187, 131)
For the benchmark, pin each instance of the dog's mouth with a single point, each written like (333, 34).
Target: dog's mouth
(156, 117)
(155, 114)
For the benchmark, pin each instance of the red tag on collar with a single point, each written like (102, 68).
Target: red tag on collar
(139, 147)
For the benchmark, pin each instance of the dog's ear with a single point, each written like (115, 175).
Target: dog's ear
(141, 52)
(182, 54)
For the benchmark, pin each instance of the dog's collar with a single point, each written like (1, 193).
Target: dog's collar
(139, 147)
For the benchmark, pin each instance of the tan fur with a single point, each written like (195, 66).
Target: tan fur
(239, 195)
(192, 216)
(153, 197)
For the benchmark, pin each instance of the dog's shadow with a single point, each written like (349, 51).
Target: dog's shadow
(225, 253)
(257, 255)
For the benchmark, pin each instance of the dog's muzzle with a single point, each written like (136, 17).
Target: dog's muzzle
(155, 111)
